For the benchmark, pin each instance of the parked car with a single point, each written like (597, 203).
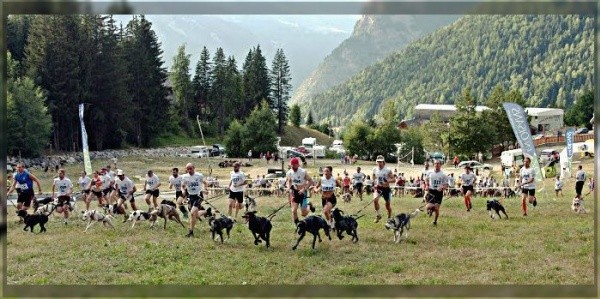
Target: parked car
(293, 153)
(199, 151)
(475, 165)
(217, 150)
(548, 155)
(437, 156)
(582, 131)
(302, 150)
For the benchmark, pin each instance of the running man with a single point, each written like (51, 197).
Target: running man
(108, 186)
(65, 188)
(327, 184)
(359, 178)
(437, 182)
(527, 185)
(85, 185)
(151, 188)
(382, 177)
(236, 189)
(194, 186)
(468, 179)
(176, 181)
(23, 180)
(126, 188)
(298, 181)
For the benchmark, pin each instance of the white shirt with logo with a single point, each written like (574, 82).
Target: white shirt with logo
(328, 185)
(84, 182)
(297, 177)
(194, 183)
(526, 175)
(176, 182)
(359, 177)
(580, 176)
(62, 186)
(380, 176)
(237, 178)
(124, 186)
(152, 182)
(468, 179)
(437, 180)
(106, 181)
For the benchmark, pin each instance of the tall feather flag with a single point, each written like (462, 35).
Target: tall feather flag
(84, 140)
(520, 126)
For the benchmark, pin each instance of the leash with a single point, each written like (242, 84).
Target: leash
(356, 214)
(277, 210)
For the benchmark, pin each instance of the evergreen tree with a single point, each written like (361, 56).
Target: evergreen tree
(17, 33)
(468, 131)
(182, 105)
(280, 88)
(309, 119)
(581, 112)
(256, 83)
(235, 140)
(295, 115)
(218, 92)
(202, 84)
(262, 124)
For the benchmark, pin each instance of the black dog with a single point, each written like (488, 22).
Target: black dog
(40, 202)
(497, 207)
(400, 223)
(344, 223)
(33, 220)
(259, 226)
(168, 202)
(453, 193)
(218, 224)
(114, 209)
(311, 224)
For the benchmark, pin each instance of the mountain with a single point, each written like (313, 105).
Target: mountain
(306, 40)
(374, 37)
(548, 58)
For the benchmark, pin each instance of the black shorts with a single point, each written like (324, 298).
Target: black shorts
(435, 197)
(467, 188)
(25, 197)
(178, 194)
(385, 192)
(195, 201)
(332, 200)
(64, 200)
(97, 193)
(298, 197)
(239, 196)
(107, 190)
(579, 187)
(358, 187)
(155, 193)
(86, 191)
(122, 195)
(530, 192)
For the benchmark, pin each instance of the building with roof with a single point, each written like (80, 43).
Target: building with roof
(424, 112)
(546, 119)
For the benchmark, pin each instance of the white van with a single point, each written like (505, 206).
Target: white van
(200, 151)
(512, 158)
(309, 142)
(337, 143)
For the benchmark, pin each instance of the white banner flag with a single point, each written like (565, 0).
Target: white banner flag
(86, 152)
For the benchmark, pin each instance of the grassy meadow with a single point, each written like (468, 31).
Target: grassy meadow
(550, 246)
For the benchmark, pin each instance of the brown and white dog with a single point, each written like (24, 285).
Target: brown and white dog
(577, 206)
(165, 211)
(92, 216)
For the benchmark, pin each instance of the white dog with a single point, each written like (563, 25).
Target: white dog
(139, 215)
(92, 216)
(577, 206)
(47, 209)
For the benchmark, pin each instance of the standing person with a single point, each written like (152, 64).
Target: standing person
(451, 183)
(85, 185)
(249, 155)
(558, 184)
(359, 178)
(65, 187)
(591, 186)
(194, 186)
(580, 177)
(382, 177)
(236, 189)
(438, 181)
(175, 181)
(456, 161)
(346, 188)
(527, 185)
(23, 180)
(151, 188)
(327, 184)
(125, 187)
(298, 181)
(281, 186)
(468, 179)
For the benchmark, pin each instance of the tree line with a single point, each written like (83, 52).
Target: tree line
(117, 71)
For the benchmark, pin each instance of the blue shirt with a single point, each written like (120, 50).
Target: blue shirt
(23, 179)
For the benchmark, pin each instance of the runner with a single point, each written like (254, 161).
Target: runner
(382, 177)
(327, 184)
(468, 179)
(359, 178)
(195, 186)
(151, 188)
(298, 181)
(23, 180)
(236, 189)
(437, 181)
(176, 181)
(85, 185)
(65, 188)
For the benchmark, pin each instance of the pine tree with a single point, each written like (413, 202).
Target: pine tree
(256, 83)
(295, 115)
(280, 88)
(181, 106)
(218, 92)
(202, 84)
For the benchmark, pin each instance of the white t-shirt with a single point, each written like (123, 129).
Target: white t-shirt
(152, 182)
(558, 184)
(526, 174)
(437, 179)
(468, 179)
(112, 175)
(580, 176)
(176, 182)
(359, 177)
(328, 185)
(380, 176)
(425, 173)
(62, 186)
(237, 178)
(106, 181)
(451, 181)
(124, 186)
(281, 183)
(194, 183)
(297, 177)
(83, 182)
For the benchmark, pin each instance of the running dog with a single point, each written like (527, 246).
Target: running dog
(218, 224)
(31, 220)
(311, 224)
(46, 209)
(577, 206)
(249, 204)
(259, 226)
(91, 216)
(399, 223)
(495, 205)
(40, 202)
(344, 223)
(167, 210)
(139, 215)
(114, 210)
(347, 197)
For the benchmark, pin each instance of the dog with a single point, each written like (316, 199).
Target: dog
(139, 215)
(218, 224)
(453, 192)
(92, 216)
(312, 224)
(495, 205)
(37, 203)
(249, 204)
(511, 193)
(344, 223)
(47, 209)
(31, 220)
(114, 210)
(577, 206)
(347, 197)
(259, 226)
(167, 210)
(400, 223)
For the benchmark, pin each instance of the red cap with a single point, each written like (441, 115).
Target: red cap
(295, 161)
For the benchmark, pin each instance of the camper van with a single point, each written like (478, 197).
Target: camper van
(309, 142)
(200, 151)
(512, 158)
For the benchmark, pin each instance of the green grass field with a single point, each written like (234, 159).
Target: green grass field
(550, 246)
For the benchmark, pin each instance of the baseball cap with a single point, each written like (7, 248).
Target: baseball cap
(380, 159)
(294, 161)
(236, 164)
(120, 172)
